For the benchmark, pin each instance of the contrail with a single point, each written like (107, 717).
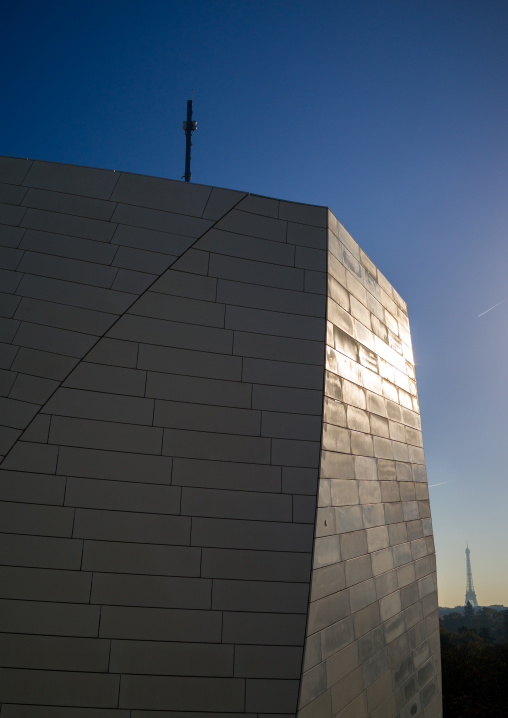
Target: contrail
(441, 484)
(489, 310)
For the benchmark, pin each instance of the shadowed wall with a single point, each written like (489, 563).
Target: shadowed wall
(164, 393)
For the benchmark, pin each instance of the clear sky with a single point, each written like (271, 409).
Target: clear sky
(394, 113)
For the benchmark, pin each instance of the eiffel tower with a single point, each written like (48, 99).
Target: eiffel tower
(470, 592)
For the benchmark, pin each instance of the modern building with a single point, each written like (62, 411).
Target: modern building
(213, 481)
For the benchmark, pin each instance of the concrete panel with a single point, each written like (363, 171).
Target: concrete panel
(6, 381)
(122, 496)
(259, 535)
(255, 225)
(27, 711)
(228, 420)
(298, 480)
(60, 688)
(156, 591)
(278, 324)
(216, 694)
(22, 518)
(71, 247)
(63, 316)
(11, 214)
(221, 201)
(68, 225)
(263, 629)
(86, 181)
(245, 247)
(160, 624)
(235, 505)
(77, 295)
(304, 213)
(151, 240)
(111, 379)
(17, 413)
(31, 457)
(184, 284)
(53, 619)
(257, 204)
(160, 221)
(295, 453)
(40, 551)
(14, 169)
(329, 610)
(106, 525)
(38, 429)
(178, 659)
(271, 298)
(255, 565)
(135, 282)
(102, 406)
(271, 695)
(105, 435)
(290, 426)
(346, 691)
(193, 261)
(226, 475)
(191, 311)
(165, 194)
(54, 653)
(32, 487)
(279, 373)
(10, 258)
(194, 390)
(280, 399)
(143, 559)
(307, 236)
(252, 661)
(313, 259)
(259, 596)
(260, 273)
(8, 438)
(115, 466)
(189, 363)
(61, 341)
(31, 584)
(172, 334)
(9, 280)
(315, 282)
(68, 204)
(11, 194)
(8, 304)
(216, 447)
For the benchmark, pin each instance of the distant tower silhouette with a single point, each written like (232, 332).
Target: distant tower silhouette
(470, 592)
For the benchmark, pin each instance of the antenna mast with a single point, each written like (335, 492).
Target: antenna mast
(470, 592)
(189, 126)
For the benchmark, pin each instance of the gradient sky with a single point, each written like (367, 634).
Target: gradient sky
(394, 113)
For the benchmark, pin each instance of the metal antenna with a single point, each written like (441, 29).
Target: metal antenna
(189, 126)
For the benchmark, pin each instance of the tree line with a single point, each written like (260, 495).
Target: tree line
(474, 654)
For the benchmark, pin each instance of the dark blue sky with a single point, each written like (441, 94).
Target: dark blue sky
(393, 113)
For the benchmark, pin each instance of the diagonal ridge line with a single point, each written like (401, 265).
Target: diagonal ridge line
(104, 334)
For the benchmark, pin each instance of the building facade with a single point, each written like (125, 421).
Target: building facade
(214, 498)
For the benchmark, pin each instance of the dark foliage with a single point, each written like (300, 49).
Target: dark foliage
(474, 652)
(468, 610)
(490, 624)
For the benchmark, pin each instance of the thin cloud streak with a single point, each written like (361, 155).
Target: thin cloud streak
(491, 308)
(441, 484)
